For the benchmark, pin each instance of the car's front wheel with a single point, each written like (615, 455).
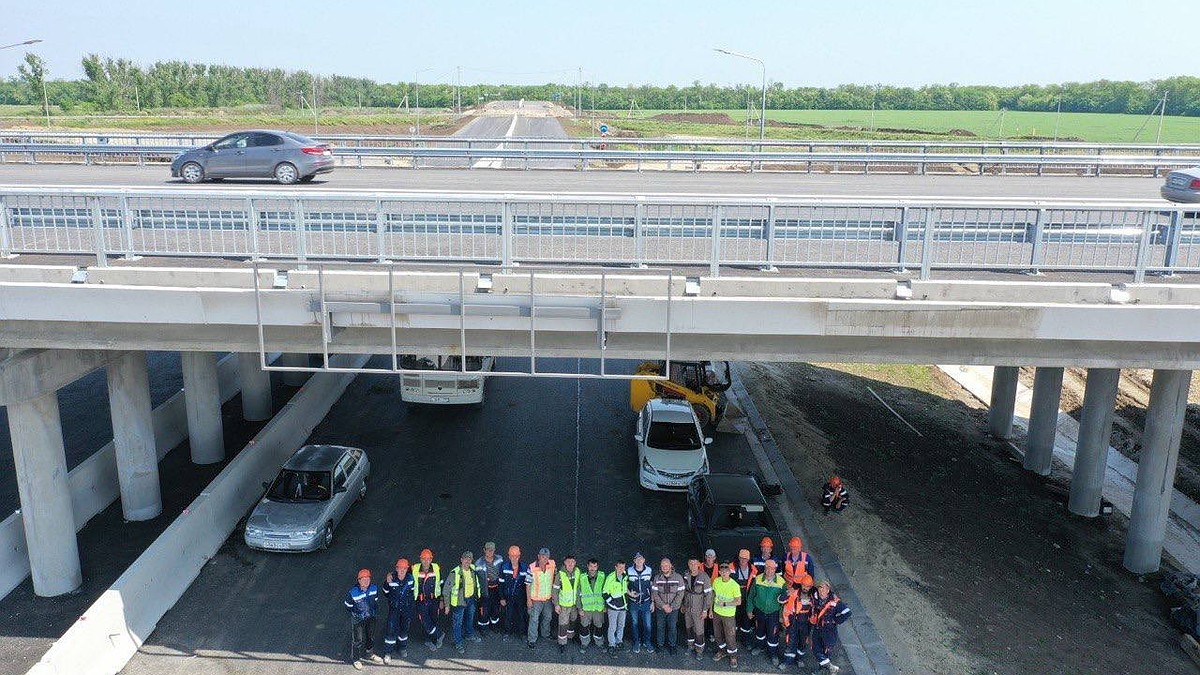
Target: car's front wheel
(286, 173)
(327, 537)
(362, 491)
(191, 172)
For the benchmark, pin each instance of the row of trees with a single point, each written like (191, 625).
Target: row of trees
(121, 85)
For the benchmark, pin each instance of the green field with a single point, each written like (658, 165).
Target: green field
(1096, 127)
(330, 120)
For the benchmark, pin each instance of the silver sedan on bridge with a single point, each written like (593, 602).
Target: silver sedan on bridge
(1182, 186)
(285, 156)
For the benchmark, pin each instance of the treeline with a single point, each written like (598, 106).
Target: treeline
(119, 85)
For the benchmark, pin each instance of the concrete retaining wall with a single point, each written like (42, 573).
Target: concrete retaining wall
(103, 640)
(94, 481)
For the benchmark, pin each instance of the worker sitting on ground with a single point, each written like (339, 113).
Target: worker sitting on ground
(836, 496)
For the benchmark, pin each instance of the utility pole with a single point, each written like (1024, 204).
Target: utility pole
(1161, 113)
(458, 93)
(137, 99)
(1057, 115)
(762, 122)
(45, 102)
(579, 92)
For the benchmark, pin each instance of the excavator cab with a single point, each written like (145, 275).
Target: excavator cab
(700, 383)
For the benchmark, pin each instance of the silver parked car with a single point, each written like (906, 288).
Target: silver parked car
(1182, 186)
(312, 493)
(282, 155)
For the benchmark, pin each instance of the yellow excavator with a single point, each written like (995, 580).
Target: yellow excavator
(700, 383)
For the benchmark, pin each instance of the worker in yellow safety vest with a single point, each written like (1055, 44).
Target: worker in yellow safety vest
(463, 594)
(727, 597)
(591, 606)
(566, 601)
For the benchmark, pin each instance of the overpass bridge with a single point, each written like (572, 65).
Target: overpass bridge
(993, 282)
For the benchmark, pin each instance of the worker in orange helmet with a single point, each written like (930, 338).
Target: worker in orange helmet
(428, 591)
(362, 602)
(398, 588)
(796, 562)
(835, 496)
(766, 552)
(514, 574)
(797, 610)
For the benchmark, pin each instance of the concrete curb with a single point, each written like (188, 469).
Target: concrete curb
(93, 481)
(863, 644)
(111, 631)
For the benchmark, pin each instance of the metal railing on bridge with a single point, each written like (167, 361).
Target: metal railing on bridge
(640, 154)
(1118, 238)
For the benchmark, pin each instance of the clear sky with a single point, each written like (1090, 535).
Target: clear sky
(804, 42)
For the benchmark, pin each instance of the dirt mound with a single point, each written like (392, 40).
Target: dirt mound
(696, 118)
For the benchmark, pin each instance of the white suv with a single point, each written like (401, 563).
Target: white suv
(671, 445)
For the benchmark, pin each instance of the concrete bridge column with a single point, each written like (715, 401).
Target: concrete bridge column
(1156, 470)
(1043, 419)
(1004, 401)
(41, 468)
(202, 397)
(256, 388)
(1095, 430)
(294, 379)
(133, 436)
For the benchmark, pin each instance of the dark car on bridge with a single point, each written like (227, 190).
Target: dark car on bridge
(729, 512)
(285, 156)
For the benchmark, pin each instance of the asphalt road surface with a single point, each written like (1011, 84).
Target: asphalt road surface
(506, 126)
(539, 463)
(704, 183)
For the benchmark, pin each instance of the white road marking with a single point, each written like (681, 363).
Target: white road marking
(497, 163)
(578, 424)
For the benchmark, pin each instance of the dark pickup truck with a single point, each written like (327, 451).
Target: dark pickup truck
(728, 512)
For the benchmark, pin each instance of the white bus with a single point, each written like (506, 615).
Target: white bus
(449, 387)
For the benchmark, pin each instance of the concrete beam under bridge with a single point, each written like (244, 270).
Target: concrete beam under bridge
(837, 348)
(28, 374)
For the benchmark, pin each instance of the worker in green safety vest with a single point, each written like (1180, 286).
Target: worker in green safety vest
(591, 606)
(565, 594)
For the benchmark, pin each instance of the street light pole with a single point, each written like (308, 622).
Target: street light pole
(762, 121)
(417, 95)
(20, 44)
(45, 98)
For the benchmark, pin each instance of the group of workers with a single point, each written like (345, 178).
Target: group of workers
(770, 602)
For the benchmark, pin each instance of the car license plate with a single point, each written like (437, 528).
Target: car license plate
(277, 545)
(440, 399)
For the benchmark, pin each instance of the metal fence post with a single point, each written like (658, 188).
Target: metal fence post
(927, 242)
(252, 228)
(770, 235)
(1036, 253)
(301, 235)
(714, 265)
(639, 240)
(1139, 271)
(98, 230)
(127, 227)
(506, 234)
(1174, 237)
(5, 234)
(901, 235)
(380, 229)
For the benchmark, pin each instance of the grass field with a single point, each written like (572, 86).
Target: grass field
(332, 120)
(1096, 127)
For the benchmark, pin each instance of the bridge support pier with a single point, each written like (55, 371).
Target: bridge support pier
(1095, 430)
(295, 379)
(46, 512)
(256, 388)
(1156, 470)
(133, 436)
(202, 397)
(1043, 419)
(1004, 401)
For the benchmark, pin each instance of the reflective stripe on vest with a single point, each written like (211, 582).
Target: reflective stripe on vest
(725, 595)
(540, 581)
(829, 604)
(470, 588)
(591, 598)
(419, 575)
(793, 571)
(568, 589)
